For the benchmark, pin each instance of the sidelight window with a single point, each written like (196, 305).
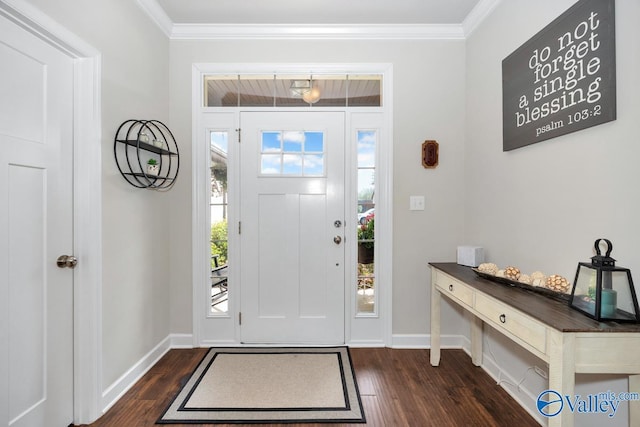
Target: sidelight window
(219, 144)
(366, 277)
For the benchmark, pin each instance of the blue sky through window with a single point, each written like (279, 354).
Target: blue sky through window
(366, 149)
(293, 153)
(220, 140)
(366, 164)
(314, 142)
(271, 142)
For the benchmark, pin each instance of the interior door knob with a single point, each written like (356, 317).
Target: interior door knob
(337, 240)
(67, 261)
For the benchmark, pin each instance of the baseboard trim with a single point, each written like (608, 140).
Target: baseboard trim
(419, 341)
(181, 340)
(525, 398)
(365, 343)
(119, 387)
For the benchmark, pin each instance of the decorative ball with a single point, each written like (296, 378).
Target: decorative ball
(500, 273)
(525, 278)
(512, 273)
(488, 267)
(558, 283)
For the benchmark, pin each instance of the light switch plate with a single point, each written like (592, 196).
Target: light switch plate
(416, 203)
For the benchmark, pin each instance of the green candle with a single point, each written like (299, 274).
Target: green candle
(608, 303)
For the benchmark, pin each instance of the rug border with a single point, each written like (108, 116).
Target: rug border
(284, 349)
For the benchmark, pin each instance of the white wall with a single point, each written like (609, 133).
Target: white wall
(135, 80)
(541, 207)
(428, 102)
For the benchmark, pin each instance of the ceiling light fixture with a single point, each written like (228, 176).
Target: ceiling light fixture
(306, 90)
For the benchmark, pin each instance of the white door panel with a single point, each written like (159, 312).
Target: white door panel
(36, 312)
(23, 80)
(292, 270)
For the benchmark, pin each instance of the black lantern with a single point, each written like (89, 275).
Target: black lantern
(603, 291)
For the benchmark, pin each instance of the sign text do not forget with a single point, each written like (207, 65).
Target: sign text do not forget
(563, 79)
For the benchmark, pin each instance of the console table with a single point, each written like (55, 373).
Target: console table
(567, 340)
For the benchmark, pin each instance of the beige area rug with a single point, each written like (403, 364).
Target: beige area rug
(269, 385)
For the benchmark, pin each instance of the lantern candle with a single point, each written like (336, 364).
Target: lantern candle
(608, 303)
(603, 291)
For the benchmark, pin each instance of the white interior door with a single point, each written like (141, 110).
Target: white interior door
(36, 297)
(292, 227)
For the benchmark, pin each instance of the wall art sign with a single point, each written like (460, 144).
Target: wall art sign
(563, 79)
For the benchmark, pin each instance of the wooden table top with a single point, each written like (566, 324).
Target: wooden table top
(549, 311)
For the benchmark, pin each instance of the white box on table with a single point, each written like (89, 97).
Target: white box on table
(471, 256)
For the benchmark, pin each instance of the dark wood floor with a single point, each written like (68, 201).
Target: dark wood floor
(398, 388)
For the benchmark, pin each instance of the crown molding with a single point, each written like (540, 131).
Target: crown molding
(314, 32)
(317, 31)
(157, 15)
(477, 15)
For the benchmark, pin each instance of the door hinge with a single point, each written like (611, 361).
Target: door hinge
(239, 135)
(240, 318)
(239, 227)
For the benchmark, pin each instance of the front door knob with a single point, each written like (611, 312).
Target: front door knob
(337, 240)
(67, 261)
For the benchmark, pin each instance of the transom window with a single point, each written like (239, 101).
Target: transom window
(302, 90)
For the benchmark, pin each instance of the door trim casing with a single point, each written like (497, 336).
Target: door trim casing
(87, 201)
(384, 231)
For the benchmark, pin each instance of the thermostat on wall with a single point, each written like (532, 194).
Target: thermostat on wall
(471, 256)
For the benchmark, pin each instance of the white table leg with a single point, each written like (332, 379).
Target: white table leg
(435, 322)
(562, 374)
(476, 341)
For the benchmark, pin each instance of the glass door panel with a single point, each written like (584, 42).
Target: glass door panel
(219, 225)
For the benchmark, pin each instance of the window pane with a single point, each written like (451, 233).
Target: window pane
(271, 142)
(314, 142)
(290, 90)
(332, 91)
(292, 142)
(221, 91)
(364, 91)
(271, 164)
(292, 164)
(256, 91)
(366, 149)
(366, 188)
(366, 297)
(219, 211)
(313, 165)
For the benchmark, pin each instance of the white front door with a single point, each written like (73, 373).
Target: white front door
(292, 227)
(36, 297)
